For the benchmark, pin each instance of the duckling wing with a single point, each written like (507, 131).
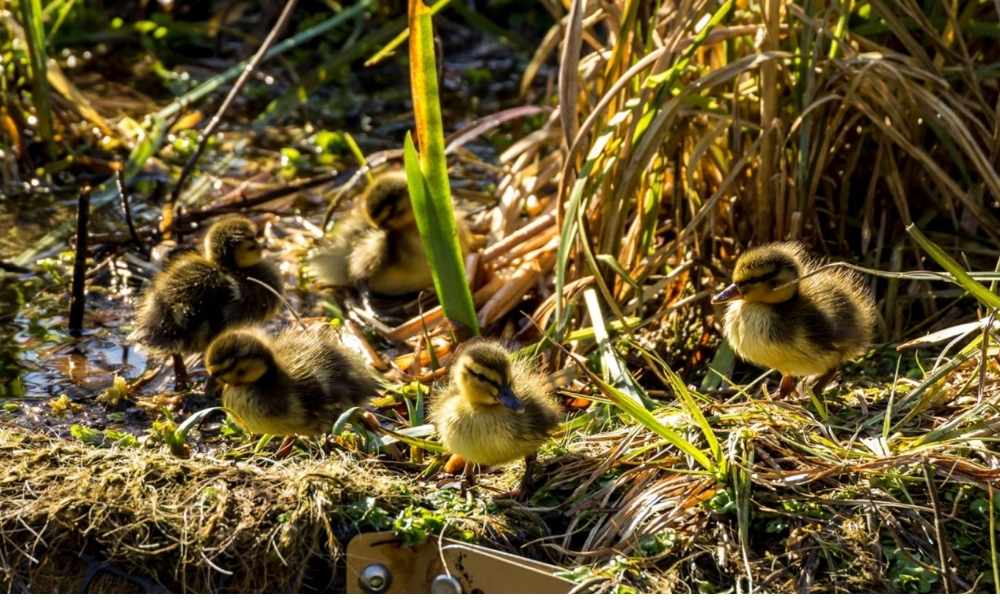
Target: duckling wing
(330, 263)
(847, 311)
(186, 306)
(368, 255)
(542, 413)
(326, 377)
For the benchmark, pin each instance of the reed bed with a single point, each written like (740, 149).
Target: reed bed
(654, 143)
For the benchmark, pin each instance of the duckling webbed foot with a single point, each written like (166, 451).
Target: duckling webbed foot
(181, 381)
(787, 386)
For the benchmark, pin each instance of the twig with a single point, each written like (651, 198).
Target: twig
(984, 356)
(206, 133)
(993, 542)
(9, 266)
(945, 571)
(912, 275)
(78, 303)
(283, 301)
(127, 208)
(255, 200)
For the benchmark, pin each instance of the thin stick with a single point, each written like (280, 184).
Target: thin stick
(283, 301)
(945, 571)
(914, 275)
(78, 304)
(206, 133)
(127, 208)
(255, 200)
(984, 356)
(993, 542)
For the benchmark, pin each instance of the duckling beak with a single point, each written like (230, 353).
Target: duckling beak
(730, 293)
(511, 401)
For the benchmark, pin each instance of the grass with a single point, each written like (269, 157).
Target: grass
(31, 17)
(648, 149)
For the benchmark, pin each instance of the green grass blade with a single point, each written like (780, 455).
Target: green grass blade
(961, 277)
(612, 364)
(637, 411)
(691, 406)
(31, 17)
(427, 179)
(647, 419)
(721, 366)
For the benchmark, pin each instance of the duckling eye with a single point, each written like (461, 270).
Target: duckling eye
(483, 379)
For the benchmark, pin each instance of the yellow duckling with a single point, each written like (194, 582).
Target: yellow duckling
(784, 314)
(495, 409)
(297, 383)
(197, 297)
(377, 245)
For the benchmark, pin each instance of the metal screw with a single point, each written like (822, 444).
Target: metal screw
(445, 584)
(375, 578)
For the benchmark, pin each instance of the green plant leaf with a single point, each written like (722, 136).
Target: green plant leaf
(31, 16)
(963, 279)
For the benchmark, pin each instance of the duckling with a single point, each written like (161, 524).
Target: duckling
(297, 383)
(378, 245)
(785, 315)
(494, 410)
(197, 297)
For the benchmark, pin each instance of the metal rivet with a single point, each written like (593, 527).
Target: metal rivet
(445, 584)
(375, 578)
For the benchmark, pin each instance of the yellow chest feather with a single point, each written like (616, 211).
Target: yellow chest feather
(247, 409)
(483, 435)
(748, 328)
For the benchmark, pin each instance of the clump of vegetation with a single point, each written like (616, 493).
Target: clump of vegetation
(616, 166)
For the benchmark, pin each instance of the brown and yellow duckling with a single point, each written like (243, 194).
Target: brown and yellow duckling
(377, 245)
(297, 383)
(197, 296)
(786, 314)
(495, 409)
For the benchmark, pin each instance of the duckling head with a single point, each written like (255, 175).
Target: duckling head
(232, 243)
(482, 374)
(766, 274)
(238, 358)
(387, 202)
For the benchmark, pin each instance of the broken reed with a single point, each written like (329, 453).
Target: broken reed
(78, 302)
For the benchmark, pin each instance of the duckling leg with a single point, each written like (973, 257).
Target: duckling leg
(787, 386)
(469, 477)
(181, 381)
(823, 381)
(528, 480)
(213, 388)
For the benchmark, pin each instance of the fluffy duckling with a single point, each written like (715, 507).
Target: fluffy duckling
(495, 409)
(297, 383)
(783, 314)
(197, 296)
(377, 245)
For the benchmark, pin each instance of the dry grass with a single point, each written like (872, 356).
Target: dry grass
(202, 525)
(678, 138)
